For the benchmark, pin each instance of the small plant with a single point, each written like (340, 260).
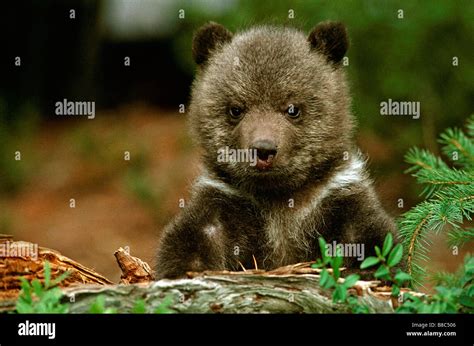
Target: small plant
(454, 292)
(163, 308)
(98, 307)
(329, 279)
(387, 259)
(41, 298)
(139, 307)
(456, 295)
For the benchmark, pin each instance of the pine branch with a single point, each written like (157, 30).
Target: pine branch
(412, 230)
(458, 147)
(450, 198)
(423, 159)
(437, 179)
(459, 236)
(470, 127)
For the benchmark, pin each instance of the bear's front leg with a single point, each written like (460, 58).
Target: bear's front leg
(194, 241)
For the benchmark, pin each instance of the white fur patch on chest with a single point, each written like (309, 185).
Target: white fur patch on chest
(206, 180)
(352, 173)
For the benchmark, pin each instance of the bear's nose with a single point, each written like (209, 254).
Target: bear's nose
(266, 149)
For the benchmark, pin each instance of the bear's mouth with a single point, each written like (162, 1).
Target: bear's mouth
(265, 159)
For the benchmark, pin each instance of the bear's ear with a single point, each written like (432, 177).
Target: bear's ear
(207, 38)
(330, 39)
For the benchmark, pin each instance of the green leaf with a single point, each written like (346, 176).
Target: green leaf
(37, 287)
(323, 278)
(469, 291)
(336, 274)
(356, 306)
(350, 280)
(139, 307)
(466, 300)
(23, 307)
(326, 280)
(47, 274)
(60, 278)
(395, 256)
(336, 263)
(322, 248)
(25, 286)
(98, 306)
(331, 282)
(377, 251)
(401, 277)
(369, 262)
(336, 295)
(395, 291)
(382, 272)
(164, 307)
(387, 244)
(466, 297)
(339, 294)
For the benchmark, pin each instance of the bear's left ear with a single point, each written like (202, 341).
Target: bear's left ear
(330, 39)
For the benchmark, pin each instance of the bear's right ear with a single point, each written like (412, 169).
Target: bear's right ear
(207, 38)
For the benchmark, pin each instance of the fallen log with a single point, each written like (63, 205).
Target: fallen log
(290, 289)
(226, 293)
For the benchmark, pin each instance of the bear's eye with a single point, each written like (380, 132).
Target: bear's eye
(235, 112)
(293, 111)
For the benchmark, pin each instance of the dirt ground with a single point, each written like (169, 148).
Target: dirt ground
(122, 203)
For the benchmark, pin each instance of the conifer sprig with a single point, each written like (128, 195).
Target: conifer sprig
(455, 142)
(449, 193)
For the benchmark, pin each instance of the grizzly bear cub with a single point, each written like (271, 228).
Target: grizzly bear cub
(271, 108)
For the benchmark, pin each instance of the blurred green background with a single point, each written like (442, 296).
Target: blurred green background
(126, 203)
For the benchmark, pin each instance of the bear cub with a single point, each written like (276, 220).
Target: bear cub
(281, 98)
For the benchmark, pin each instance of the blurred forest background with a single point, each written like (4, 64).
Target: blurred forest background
(127, 203)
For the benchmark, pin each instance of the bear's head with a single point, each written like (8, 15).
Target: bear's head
(276, 92)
